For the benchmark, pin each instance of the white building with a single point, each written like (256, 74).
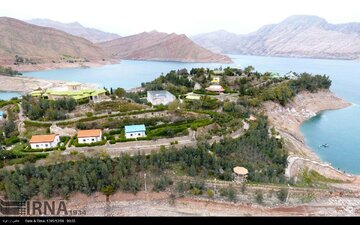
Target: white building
(135, 131)
(160, 97)
(44, 141)
(89, 136)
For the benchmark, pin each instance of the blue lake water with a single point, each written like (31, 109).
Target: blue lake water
(8, 95)
(339, 128)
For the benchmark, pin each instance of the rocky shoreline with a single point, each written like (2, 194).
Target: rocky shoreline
(288, 120)
(59, 65)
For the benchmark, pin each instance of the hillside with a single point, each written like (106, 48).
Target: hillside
(34, 44)
(76, 29)
(220, 41)
(296, 36)
(160, 46)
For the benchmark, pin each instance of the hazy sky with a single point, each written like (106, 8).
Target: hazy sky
(180, 16)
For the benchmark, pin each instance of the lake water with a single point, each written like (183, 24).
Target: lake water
(4, 95)
(340, 129)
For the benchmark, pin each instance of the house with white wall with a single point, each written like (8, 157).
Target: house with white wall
(135, 131)
(44, 141)
(160, 97)
(89, 136)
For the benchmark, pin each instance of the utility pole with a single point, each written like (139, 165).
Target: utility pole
(145, 180)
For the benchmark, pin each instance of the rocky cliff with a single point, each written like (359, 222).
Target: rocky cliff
(296, 36)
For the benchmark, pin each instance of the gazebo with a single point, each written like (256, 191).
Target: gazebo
(240, 174)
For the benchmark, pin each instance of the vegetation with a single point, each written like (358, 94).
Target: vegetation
(8, 71)
(36, 108)
(174, 82)
(121, 106)
(12, 101)
(282, 194)
(229, 192)
(22, 60)
(259, 196)
(256, 151)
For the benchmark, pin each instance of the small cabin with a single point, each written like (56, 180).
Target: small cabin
(89, 136)
(240, 174)
(135, 131)
(44, 141)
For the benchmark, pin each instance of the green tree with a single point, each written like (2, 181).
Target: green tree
(120, 92)
(9, 127)
(107, 191)
(248, 70)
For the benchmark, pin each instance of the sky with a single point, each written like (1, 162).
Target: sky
(189, 17)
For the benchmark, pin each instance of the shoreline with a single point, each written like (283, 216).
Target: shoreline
(24, 84)
(61, 65)
(288, 120)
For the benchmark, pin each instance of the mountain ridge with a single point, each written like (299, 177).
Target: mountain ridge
(161, 46)
(296, 36)
(41, 44)
(75, 28)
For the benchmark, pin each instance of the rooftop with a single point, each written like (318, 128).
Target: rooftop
(240, 170)
(89, 133)
(158, 93)
(42, 138)
(135, 128)
(215, 87)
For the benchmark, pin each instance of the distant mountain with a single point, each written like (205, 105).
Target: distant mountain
(217, 41)
(296, 36)
(41, 44)
(76, 29)
(161, 46)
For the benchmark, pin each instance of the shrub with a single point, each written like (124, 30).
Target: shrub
(181, 187)
(162, 183)
(282, 194)
(12, 140)
(89, 114)
(103, 142)
(210, 193)
(229, 192)
(112, 132)
(73, 152)
(259, 197)
(195, 191)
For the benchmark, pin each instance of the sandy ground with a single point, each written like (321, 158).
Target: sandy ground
(24, 84)
(60, 65)
(160, 204)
